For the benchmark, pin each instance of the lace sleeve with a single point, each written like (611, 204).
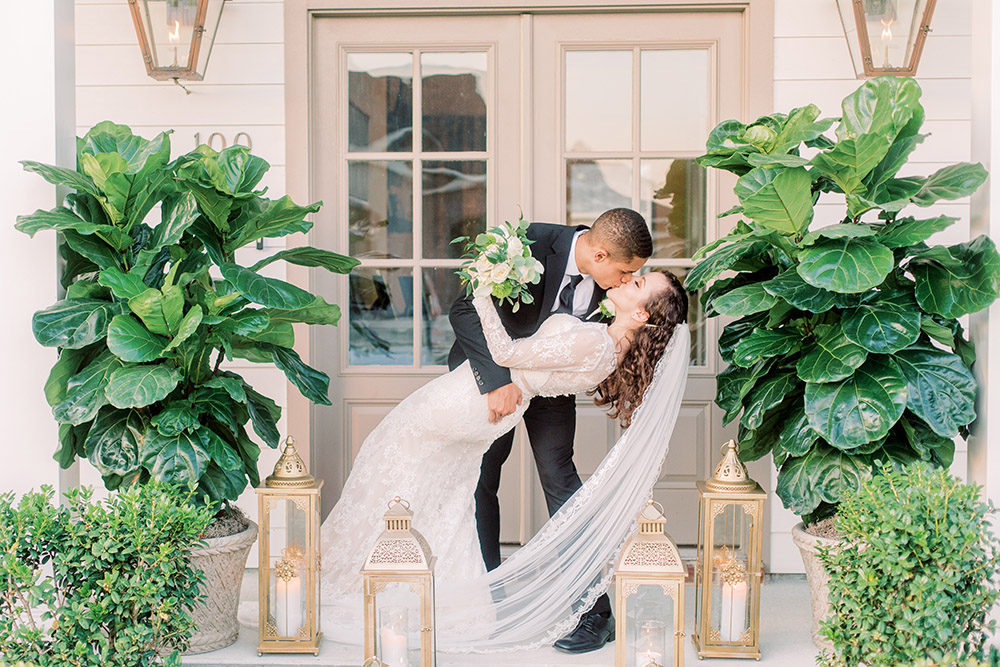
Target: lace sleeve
(575, 349)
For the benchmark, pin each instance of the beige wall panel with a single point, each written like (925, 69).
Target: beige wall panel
(362, 418)
(168, 105)
(121, 65)
(590, 419)
(946, 57)
(807, 18)
(827, 95)
(947, 99)
(685, 460)
(814, 58)
(948, 142)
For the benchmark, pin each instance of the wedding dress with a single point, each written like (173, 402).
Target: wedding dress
(428, 450)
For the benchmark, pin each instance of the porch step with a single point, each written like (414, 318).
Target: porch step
(785, 641)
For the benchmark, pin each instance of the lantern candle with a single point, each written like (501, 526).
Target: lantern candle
(734, 610)
(289, 607)
(392, 638)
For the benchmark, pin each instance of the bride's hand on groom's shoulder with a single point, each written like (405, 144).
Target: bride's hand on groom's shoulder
(503, 401)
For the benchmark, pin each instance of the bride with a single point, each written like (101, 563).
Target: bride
(428, 451)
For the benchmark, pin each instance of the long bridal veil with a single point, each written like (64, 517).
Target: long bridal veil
(538, 594)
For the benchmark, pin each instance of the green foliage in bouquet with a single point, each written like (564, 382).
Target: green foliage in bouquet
(916, 572)
(846, 346)
(99, 584)
(153, 307)
(499, 263)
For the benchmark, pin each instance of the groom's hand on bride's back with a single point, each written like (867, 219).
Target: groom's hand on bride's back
(503, 401)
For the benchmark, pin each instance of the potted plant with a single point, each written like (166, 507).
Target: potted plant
(846, 347)
(154, 303)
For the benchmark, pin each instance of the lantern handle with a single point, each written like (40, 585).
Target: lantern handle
(399, 501)
(373, 662)
(653, 503)
(731, 444)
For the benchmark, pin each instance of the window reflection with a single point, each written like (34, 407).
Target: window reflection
(454, 101)
(598, 101)
(381, 317)
(594, 186)
(672, 199)
(441, 288)
(454, 205)
(674, 99)
(380, 101)
(381, 209)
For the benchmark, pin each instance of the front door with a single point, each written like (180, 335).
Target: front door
(425, 129)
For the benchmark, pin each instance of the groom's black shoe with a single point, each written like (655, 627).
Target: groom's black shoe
(593, 632)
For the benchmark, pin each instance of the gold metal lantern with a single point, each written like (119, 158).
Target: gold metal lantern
(728, 574)
(289, 557)
(886, 36)
(649, 596)
(399, 594)
(176, 36)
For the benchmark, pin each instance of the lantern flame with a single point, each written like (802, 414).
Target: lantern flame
(175, 34)
(887, 29)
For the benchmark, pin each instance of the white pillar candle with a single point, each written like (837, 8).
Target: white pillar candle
(647, 658)
(289, 606)
(394, 648)
(734, 610)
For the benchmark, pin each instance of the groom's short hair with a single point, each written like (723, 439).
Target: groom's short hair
(623, 233)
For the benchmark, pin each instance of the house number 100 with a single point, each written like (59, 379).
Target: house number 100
(212, 137)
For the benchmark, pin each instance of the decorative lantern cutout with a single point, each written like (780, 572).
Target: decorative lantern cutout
(886, 36)
(289, 558)
(176, 36)
(399, 594)
(649, 596)
(728, 574)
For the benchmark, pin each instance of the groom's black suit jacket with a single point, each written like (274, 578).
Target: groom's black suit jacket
(551, 247)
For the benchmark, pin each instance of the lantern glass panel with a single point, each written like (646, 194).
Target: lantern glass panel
(732, 534)
(170, 24)
(397, 636)
(212, 16)
(892, 27)
(287, 580)
(649, 625)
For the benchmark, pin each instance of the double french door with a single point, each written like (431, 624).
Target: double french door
(429, 128)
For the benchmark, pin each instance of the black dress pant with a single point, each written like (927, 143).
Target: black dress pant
(551, 424)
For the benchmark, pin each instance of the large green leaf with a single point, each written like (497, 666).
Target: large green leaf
(160, 310)
(790, 286)
(179, 213)
(85, 391)
(951, 182)
(276, 218)
(928, 444)
(908, 231)
(309, 256)
(249, 452)
(231, 384)
(176, 459)
(722, 260)
(882, 106)
(244, 323)
(130, 341)
(796, 436)
(881, 328)
(264, 414)
(957, 280)
(122, 285)
(858, 409)
(186, 328)
(851, 160)
(73, 323)
(138, 153)
(759, 442)
(734, 383)
(765, 343)
(70, 444)
(831, 358)
(217, 404)
(178, 416)
(62, 176)
(894, 158)
(114, 441)
(318, 312)
(940, 389)
(823, 475)
(215, 206)
(314, 384)
(269, 292)
(744, 300)
(139, 386)
(66, 366)
(838, 231)
(846, 265)
(779, 199)
(108, 173)
(223, 454)
(768, 393)
(61, 219)
(93, 248)
(220, 484)
(276, 333)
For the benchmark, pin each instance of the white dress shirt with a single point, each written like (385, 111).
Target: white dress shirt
(584, 290)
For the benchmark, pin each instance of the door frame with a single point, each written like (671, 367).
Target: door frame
(299, 17)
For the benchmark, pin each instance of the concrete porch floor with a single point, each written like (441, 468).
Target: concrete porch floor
(784, 642)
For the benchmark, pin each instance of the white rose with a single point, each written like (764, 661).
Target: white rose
(482, 265)
(514, 247)
(500, 272)
(525, 273)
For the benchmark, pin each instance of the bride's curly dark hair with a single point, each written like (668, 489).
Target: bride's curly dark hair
(623, 389)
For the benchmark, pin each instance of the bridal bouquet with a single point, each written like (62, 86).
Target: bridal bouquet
(499, 262)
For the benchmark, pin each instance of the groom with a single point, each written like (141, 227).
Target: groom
(580, 263)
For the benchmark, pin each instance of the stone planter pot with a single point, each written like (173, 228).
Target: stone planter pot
(223, 560)
(817, 577)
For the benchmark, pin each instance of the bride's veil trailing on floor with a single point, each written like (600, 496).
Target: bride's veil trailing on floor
(537, 595)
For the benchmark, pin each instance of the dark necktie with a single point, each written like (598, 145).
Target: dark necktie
(566, 296)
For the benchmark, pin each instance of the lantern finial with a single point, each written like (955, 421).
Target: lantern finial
(290, 470)
(731, 473)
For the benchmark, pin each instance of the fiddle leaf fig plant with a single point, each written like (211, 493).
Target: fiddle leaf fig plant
(156, 300)
(845, 346)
